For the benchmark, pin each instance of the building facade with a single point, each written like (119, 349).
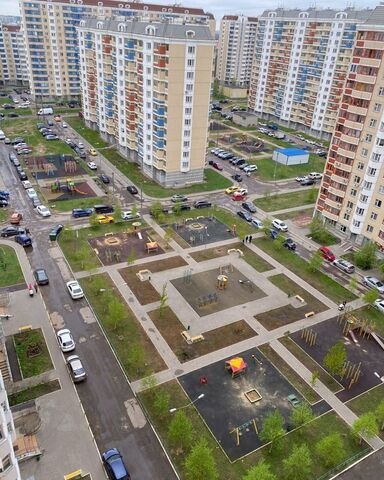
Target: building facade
(52, 43)
(146, 87)
(13, 62)
(9, 468)
(351, 196)
(300, 64)
(235, 50)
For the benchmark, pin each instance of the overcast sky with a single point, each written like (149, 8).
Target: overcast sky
(222, 7)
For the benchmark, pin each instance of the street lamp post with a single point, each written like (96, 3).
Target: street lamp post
(173, 410)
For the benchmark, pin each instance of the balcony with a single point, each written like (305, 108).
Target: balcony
(338, 179)
(354, 125)
(343, 166)
(369, 62)
(333, 204)
(346, 153)
(357, 110)
(348, 139)
(371, 79)
(329, 215)
(336, 191)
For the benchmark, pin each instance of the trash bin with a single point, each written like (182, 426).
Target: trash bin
(52, 236)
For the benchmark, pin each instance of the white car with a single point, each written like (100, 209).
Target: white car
(31, 192)
(26, 184)
(129, 215)
(43, 211)
(379, 304)
(15, 100)
(64, 125)
(75, 290)
(315, 176)
(92, 165)
(80, 145)
(68, 141)
(250, 168)
(301, 179)
(374, 282)
(256, 223)
(242, 191)
(76, 368)
(65, 339)
(280, 225)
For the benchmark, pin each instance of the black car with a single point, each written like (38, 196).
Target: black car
(237, 177)
(50, 123)
(289, 244)
(132, 190)
(238, 162)
(82, 212)
(102, 209)
(245, 215)
(13, 115)
(41, 276)
(17, 140)
(202, 204)
(181, 207)
(104, 178)
(11, 231)
(3, 203)
(307, 181)
(23, 176)
(249, 206)
(8, 106)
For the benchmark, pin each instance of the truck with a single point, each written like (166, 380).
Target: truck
(45, 111)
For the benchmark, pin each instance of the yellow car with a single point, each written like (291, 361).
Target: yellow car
(105, 219)
(92, 151)
(231, 190)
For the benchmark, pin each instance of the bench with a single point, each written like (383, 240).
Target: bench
(108, 234)
(187, 337)
(301, 299)
(25, 328)
(309, 314)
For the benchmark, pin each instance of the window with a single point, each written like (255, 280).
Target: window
(373, 216)
(363, 198)
(376, 157)
(364, 152)
(188, 99)
(372, 122)
(369, 228)
(353, 67)
(188, 111)
(186, 144)
(187, 122)
(191, 50)
(185, 164)
(377, 107)
(356, 179)
(356, 223)
(185, 154)
(360, 211)
(381, 91)
(360, 166)
(349, 204)
(191, 62)
(346, 216)
(190, 75)
(6, 461)
(353, 192)
(378, 203)
(380, 142)
(368, 138)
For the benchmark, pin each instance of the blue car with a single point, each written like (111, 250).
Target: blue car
(115, 466)
(82, 212)
(3, 193)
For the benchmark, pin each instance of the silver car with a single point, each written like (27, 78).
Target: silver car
(374, 282)
(343, 265)
(76, 368)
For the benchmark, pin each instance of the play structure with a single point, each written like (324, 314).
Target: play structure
(245, 427)
(236, 366)
(143, 275)
(151, 247)
(201, 230)
(68, 185)
(205, 300)
(309, 336)
(222, 282)
(353, 326)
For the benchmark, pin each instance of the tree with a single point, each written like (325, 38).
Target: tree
(298, 465)
(366, 426)
(132, 256)
(371, 296)
(272, 428)
(156, 210)
(168, 234)
(267, 225)
(93, 221)
(200, 464)
(117, 214)
(177, 209)
(380, 414)
(318, 230)
(365, 258)
(301, 414)
(163, 300)
(315, 262)
(335, 358)
(215, 88)
(180, 431)
(136, 356)
(278, 242)
(331, 449)
(312, 194)
(314, 378)
(116, 312)
(261, 471)
(161, 402)
(353, 284)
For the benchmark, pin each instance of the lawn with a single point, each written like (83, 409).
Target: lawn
(367, 402)
(373, 315)
(3, 215)
(299, 266)
(269, 170)
(309, 435)
(255, 261)
(33, 392)
(135, 351)
(306, 212)
(10, 271)
(273, 203)
(90, 135)
(70, 204)
(32, 353)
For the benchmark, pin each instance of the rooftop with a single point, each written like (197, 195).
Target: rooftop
(318, 14)
(291, 152)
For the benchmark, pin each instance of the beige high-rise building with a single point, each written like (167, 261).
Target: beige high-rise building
(52, 43)
(146, 87)
(351, 197)
(13, 62)
(236, 49)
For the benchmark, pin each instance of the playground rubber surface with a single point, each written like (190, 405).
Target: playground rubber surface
(225, 407)
(203, 284)
(55, 166)
(366, 351)
(203, 231)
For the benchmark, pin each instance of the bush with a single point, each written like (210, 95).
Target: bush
(365, 258)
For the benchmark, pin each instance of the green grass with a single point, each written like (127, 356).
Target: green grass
(70, 204)
(33, 392)
(287, 200)
(3, 215)
(135, 351)
(296, 264)
(324, 237)
(255, 261)
(10, 270)
(31, 364)
(269, 170)
(310, 434)
(368, 401)
(90, 135)
(373, 316)
(296, 214)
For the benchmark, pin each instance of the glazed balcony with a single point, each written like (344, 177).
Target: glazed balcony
(371, 79)
(346, 153)
(349, 139)
(343, 166)
(336, 191)
(333, 203)
(338, 179)
(329, 215)
(357, 110)
(354, 125)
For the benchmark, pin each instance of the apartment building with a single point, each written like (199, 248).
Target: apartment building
(52, 43)
(13, 62)
(9, 468)
(300, 65)
(146, 87)
(351, 196)
(236, 49)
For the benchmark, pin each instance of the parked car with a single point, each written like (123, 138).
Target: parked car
(238, 196)
(24, 240)
(11, 231)
(179, 198)
(182, 207)
(3, 203)
(217, 166)
(102, 209)
(103, 219)
(202, 204)
(75, 290)
(43, 211)
(374, 282)
(289, 244)
(51, 136)
(92, 152)
(82, 212)
(344, 265)
(92, 165)
(232, 189)
(76, 369)
(31, 192)
(379, 304)
(65, 340)
(249, 206)
(256, 223)
(279, 225)
(36, 202)
(237, 177)
(114, 465)
(245, 215)
(41, 276)
(250, 168)
(16, 218)
(104, 178)
(301, 178)
(327, 254)
(315, 175)
(132, 190)
(306, 182)
(26, 184)
(293, 400)
(4, 193)
(22, 175)
(130, 215)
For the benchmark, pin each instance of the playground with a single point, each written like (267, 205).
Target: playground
(364, 351)
(237, 399)
(66, 189)
(202, 230)
(216, 290)
(55, 166)
(118, 247)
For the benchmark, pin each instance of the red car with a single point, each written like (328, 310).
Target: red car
(238, 197)
(217, 166)
(327, 254)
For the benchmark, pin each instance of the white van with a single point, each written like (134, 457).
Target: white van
(45, 111)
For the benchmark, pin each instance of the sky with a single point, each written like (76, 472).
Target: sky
(231, 7)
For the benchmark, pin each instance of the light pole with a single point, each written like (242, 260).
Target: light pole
(173, 410)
